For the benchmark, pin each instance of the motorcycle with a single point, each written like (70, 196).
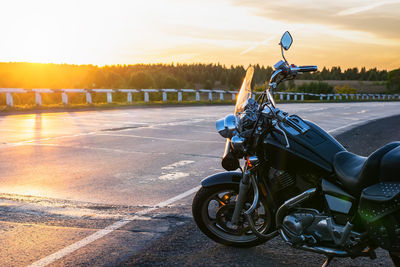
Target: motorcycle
(298, 182)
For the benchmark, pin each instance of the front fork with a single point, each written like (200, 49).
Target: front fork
(241, 197)
(247, 180)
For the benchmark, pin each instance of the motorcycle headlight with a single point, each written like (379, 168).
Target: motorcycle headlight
(227, 126)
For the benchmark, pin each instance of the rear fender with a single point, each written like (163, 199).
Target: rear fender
(222, 178)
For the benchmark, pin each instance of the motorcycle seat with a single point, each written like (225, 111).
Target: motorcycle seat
(390, 166)
(356, 173)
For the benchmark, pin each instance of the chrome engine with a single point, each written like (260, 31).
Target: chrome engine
(306, 226)
(309, 227)
(311, 230)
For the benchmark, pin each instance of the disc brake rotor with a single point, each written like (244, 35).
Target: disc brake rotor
(224, 217)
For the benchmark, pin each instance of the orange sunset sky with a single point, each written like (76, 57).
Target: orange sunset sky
(350, 33)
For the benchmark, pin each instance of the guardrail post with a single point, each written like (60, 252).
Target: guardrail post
(321, 97)
(164, 96)
(88, 97)
(197, 96)
(9, 99)
(109, 97)
(221, 96)
(179, 96)
(38, 98)
(129, 93)
(210, 96)
(233, 94)
(295, 97)
(147, 91)
(281, 96)
(64, 97)
(302, 96)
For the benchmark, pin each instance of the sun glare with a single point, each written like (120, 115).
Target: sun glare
(132, 31)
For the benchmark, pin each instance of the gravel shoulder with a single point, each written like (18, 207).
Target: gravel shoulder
(185, 245)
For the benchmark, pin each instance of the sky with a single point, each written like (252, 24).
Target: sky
(345, 33)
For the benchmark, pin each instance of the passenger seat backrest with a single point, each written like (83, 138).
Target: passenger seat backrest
(390, 166)
(370, 171)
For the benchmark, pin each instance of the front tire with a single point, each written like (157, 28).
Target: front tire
(212, 209)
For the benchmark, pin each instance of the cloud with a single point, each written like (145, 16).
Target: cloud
(380, 19)
(359, 9)
(257, 44)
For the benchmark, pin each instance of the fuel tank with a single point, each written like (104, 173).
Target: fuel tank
(312, 150)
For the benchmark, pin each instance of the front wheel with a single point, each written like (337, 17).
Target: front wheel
(213, 208)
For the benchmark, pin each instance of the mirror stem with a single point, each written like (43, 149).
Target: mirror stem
(283, 55)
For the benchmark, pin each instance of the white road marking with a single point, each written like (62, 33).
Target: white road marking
(173, 176)
(169, 172)
(109, 229)
(162, 138)
(350, 125)
(114, 150)
(177, 164)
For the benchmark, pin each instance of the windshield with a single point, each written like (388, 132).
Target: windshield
(245, 91)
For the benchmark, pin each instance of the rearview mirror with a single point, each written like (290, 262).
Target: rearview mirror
(286, 40)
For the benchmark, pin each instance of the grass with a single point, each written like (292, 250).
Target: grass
(114, 105)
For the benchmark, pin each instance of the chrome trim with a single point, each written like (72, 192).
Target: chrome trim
(256, 196)
(291, 203)
(226, 126)
(284, 135)
(326, 251)
(316, 249)
(230, 122)
(237, 143)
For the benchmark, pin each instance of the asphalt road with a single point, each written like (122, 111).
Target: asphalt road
(67, 176)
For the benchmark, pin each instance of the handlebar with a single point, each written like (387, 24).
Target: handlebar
(307, 68)
(283, 117)
(295, 69)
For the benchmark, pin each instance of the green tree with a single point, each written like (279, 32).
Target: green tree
(171, 83)
(393, 83)
(141, 80)
(208, 84)
(315, 88)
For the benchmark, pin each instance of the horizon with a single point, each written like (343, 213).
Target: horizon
(186, 63)
(230, 32)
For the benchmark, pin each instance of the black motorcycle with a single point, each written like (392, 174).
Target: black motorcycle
(298, 182)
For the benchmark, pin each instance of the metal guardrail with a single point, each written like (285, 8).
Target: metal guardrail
(288, 96)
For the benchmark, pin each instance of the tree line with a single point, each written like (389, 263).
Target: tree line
(139, 76)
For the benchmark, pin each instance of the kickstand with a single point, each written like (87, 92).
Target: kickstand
(327, 261)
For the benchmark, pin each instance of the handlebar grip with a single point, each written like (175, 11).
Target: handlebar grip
(307, 68)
